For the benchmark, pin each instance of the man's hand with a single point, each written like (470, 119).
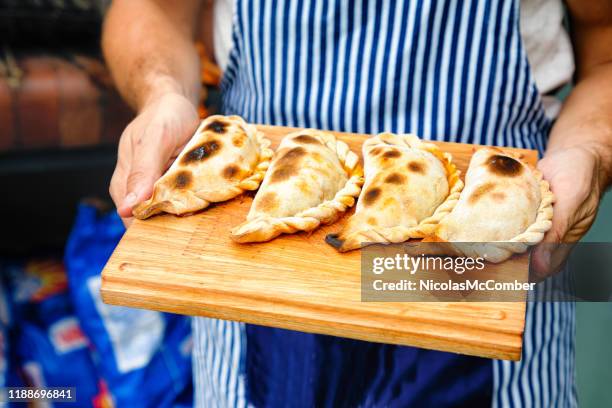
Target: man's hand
(148, 147)
(574, 177)
(578, 161)
(149, 48)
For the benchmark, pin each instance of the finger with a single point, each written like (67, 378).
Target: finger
(148, 162)
(127, 221)
(541, 265)
(540, 261)
(139, 188)
(564, 212)
(559, 256)
(117, 190)
(548, 259)
(119, 178)
(117, 185)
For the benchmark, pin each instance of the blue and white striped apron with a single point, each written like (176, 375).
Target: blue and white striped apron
(452, 70)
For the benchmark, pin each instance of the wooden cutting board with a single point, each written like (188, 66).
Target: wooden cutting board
(189, 265)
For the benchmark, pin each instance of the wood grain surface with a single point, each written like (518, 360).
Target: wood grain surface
(189, 265)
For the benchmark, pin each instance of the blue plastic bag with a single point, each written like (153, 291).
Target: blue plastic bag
(4, 342)
(144, 356)
(48, 347)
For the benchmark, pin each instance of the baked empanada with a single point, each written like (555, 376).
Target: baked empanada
(312, 179)
(409, 186)
(225, 157)
(506, 205)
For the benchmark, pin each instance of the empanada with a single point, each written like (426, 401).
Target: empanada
(506, 205)
(312, 180)
(225, 157)
(409, 186)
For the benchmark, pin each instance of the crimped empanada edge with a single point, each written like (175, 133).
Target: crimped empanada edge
(499, 251)
(427, 226)
(455, 186)
(543, 222)
(149, 207)
(265, 157)
(265, 228)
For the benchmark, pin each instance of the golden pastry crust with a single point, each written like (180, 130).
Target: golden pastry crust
(398, 162)
(309, 163)
(498, 250)
(225, 157)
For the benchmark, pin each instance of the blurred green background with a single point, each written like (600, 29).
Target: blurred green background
(594, 330)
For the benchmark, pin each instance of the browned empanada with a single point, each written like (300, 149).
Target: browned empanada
(409, 186)
(312, 180)
(225, 157)
(506, 205)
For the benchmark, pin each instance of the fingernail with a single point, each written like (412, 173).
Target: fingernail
(130, 199)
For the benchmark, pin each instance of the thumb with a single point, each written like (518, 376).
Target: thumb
(549, 255)
(146, 169)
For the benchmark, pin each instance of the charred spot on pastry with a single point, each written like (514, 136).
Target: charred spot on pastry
(371, 195)
(288, 164)
(480, 191)
(395, 178)
(306, 139)
(268, 202)
(317, 157)
(239, 139)
(504, 165)
(283, 173)
(292, 155)
(183, 179)
(202, 152)
(217, 126)
(391, 154)
(376, 151)
(231, 171)
(416, 167)
(334, 240)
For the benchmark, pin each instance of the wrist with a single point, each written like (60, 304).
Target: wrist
(163, 86)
